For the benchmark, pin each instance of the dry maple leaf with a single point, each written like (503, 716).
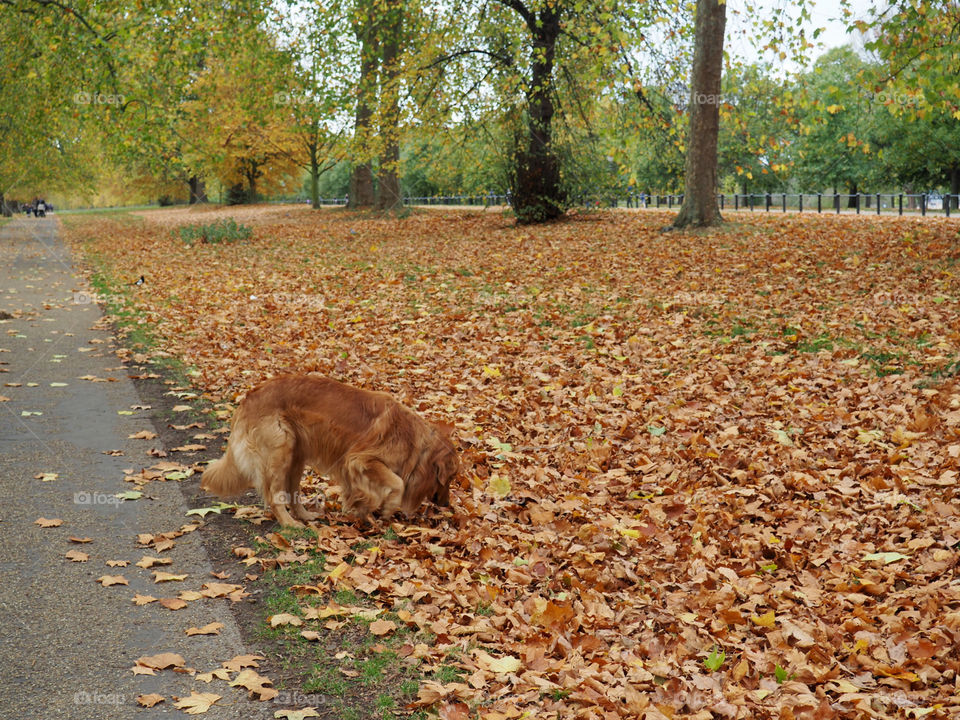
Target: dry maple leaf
(213, 628)
(160, 576)
(172, 603)
(197, 703)
(257, 684)
(143, 599)
(242, 661)
(307, 712)
(147, 562)
(108, 580)
(48, 522)
(215, 590)
(149, 700)
(77, 556)
(161, 661)
(80, 540)
(142, 435)
(382, 627)
(284, 619)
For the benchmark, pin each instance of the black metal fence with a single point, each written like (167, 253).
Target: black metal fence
(859, 203)
(489, 200)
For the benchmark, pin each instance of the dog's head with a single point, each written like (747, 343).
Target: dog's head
(435, 472)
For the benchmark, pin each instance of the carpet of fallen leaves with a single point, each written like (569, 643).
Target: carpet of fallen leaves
(705, 475)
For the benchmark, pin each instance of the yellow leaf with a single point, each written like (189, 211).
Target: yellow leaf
(845, 686)
(499, 486)
(768, 619)
(490, 371)
(338, 572)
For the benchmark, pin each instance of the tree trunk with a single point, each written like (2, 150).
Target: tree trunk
(388, 184)
(314, 175)
(253, 173)
(699, 207)
(4, 210)
(954, 186)
(537, 193)
(198, 190)
(361, 181)
(851, 199)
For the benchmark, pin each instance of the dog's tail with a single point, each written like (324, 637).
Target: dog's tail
(223, 477)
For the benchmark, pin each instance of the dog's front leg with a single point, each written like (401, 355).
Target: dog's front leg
(278, 504)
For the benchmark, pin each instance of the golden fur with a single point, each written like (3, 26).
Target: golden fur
(384, 456)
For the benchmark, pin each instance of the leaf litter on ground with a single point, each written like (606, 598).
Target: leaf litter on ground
(738, 444)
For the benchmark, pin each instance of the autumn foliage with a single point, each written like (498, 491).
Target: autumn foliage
(706, 475)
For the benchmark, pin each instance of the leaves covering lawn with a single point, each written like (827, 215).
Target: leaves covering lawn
(705, 475)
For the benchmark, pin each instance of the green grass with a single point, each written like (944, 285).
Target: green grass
(221, 231)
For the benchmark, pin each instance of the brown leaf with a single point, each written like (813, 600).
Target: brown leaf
(149, 700)
(213, 628)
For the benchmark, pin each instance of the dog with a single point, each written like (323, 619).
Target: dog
(384, 456)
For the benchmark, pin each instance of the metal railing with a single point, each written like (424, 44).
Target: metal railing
(859, 203)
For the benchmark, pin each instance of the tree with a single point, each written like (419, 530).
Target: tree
(836, 147)
(537, 193)
(361, 181)
(699, 207)
(388, 185)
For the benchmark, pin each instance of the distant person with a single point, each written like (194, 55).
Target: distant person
(41, 208)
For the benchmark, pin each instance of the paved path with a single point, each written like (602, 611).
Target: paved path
(68, 644)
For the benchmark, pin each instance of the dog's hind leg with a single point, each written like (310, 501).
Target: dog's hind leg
(281, 468)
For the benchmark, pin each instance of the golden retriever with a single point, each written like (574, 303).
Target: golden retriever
(384, 456)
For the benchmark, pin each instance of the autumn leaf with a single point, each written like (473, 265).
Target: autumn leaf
(161, 661)
(160, 576)
(147, 562)
(281, 619)
(886, 557)
(382, 627)
(108, 580)
(767, 620)
(499, 485)
(257, 684)
(77, 556)
(197, 703)
(149, 700)
(48, 523)
(213, 628)
(243, 661)
(297, 714)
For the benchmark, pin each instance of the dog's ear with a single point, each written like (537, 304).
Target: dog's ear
(444, 429)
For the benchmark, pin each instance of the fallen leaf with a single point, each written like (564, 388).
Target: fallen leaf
(149, 700)
(197, 703)
(213, 628)
(108, 580)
